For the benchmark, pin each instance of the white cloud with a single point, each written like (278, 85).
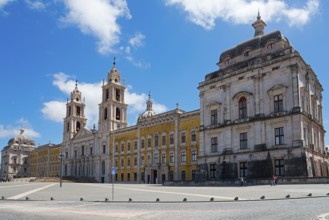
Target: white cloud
(137, 40)
(98, 18)
(133, 43)
(205, 12)
(3, 3)
(55, 110)
(35, 5)
(10, 131)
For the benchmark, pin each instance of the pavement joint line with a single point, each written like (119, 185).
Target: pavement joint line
(31, 192)
(168, 192)
(29, 184)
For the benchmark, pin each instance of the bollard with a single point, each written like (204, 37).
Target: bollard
(262, 197)
(236, 198)
(130, 200)
(106, 199)
(51, 198)
(2, 198)
(288, 196)
(27, 198)
(310, 194)
(81, 199)
(157, 200)
(185, 199)
(211, 199)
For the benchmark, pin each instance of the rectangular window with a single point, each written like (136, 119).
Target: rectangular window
(128, 146)
(279, 167)
(143, 143)
(104, 149)
(135, 177)
(116, 163)
(213, 117)
(193, 136)
(142, 160)
(213, 171)
(243, 169)
(149, 159)
(183, 156)
(122, 147)
(183, 138)
(193, 155)
(244, 140)
(163, 140)
(163, 160)
(171, 141)
(183, 175)
(193, 175)
(135, 161)
(128, 162)
(214, 145)
(171, 157)
(122, 176)
(91, 151)
(66, 155)
(122, 162)
(278, 103)
(116, 148)
(82, 150)
(156, 158)
(128, 177)
(279, 136)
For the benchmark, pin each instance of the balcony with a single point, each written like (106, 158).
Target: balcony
(227, 151)
(260, 147)
(297, 143)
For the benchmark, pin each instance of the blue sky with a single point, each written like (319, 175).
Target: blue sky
(162, 46)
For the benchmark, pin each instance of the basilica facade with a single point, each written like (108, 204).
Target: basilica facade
(160, 147)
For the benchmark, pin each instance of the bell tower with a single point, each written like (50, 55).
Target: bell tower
(75, 118)
(112, 109)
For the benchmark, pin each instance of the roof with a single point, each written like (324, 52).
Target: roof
(254, 43)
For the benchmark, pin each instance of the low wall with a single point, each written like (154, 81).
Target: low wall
(250, 182)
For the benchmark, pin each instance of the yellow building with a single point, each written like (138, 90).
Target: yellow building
(45, 161)
(162, 147)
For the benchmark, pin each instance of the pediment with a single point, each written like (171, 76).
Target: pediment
(82, 133)
(242, 93)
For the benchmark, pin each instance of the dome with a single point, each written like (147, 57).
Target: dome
(149, 112)
(21, 139)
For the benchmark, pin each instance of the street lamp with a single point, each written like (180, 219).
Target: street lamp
(60, 156)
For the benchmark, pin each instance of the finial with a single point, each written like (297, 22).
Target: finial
(76, 83)
(149, 95)
(94, 127)
(177, 105)
(103, 82)
(21, 131)
(258, 17)
(67, 100)
(114, 61)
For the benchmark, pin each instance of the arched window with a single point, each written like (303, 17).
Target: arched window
(105, 113)
(78, 126)
(242, 107)
(156, 140)
(117, 114)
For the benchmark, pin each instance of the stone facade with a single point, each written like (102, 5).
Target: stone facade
(261, 113)
(15, 162)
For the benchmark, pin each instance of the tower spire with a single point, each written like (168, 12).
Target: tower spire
(259, 25)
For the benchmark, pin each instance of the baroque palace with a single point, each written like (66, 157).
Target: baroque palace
(260, 115)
